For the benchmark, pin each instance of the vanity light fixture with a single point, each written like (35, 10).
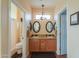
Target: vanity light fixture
(42, 12)
(42, 16)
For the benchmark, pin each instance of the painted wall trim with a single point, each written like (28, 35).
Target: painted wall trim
(9, 35)
(0, 28)
(18, 5)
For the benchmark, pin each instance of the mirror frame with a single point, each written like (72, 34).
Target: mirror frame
(30, 26)
(52, 27)
(39, 27)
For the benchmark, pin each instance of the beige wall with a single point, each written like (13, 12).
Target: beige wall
(38, 11)
(0, 28)
(72, 31)
(18, 21)
(59, 6)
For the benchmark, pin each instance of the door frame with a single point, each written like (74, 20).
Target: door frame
(24, 41)
(60, 25)
(57, 17)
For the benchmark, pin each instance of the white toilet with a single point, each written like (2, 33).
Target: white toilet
(19, 47)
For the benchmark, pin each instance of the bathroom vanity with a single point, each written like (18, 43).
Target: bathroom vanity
(42, 37)
(45, 44)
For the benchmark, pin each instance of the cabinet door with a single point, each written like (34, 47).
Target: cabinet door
(42, 45)
(34, 45)
(50, 45)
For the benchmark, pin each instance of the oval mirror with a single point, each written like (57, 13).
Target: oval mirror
(36, 26)
(49, 26)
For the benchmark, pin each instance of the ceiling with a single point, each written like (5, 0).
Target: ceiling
(47, 3)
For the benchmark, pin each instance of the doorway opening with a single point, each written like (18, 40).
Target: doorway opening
(16, 31)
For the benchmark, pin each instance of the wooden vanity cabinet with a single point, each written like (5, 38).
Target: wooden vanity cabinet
(42, 45)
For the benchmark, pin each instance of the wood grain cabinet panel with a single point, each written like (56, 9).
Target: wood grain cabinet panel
(42, 45)
(34, 45)
(50, 45)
